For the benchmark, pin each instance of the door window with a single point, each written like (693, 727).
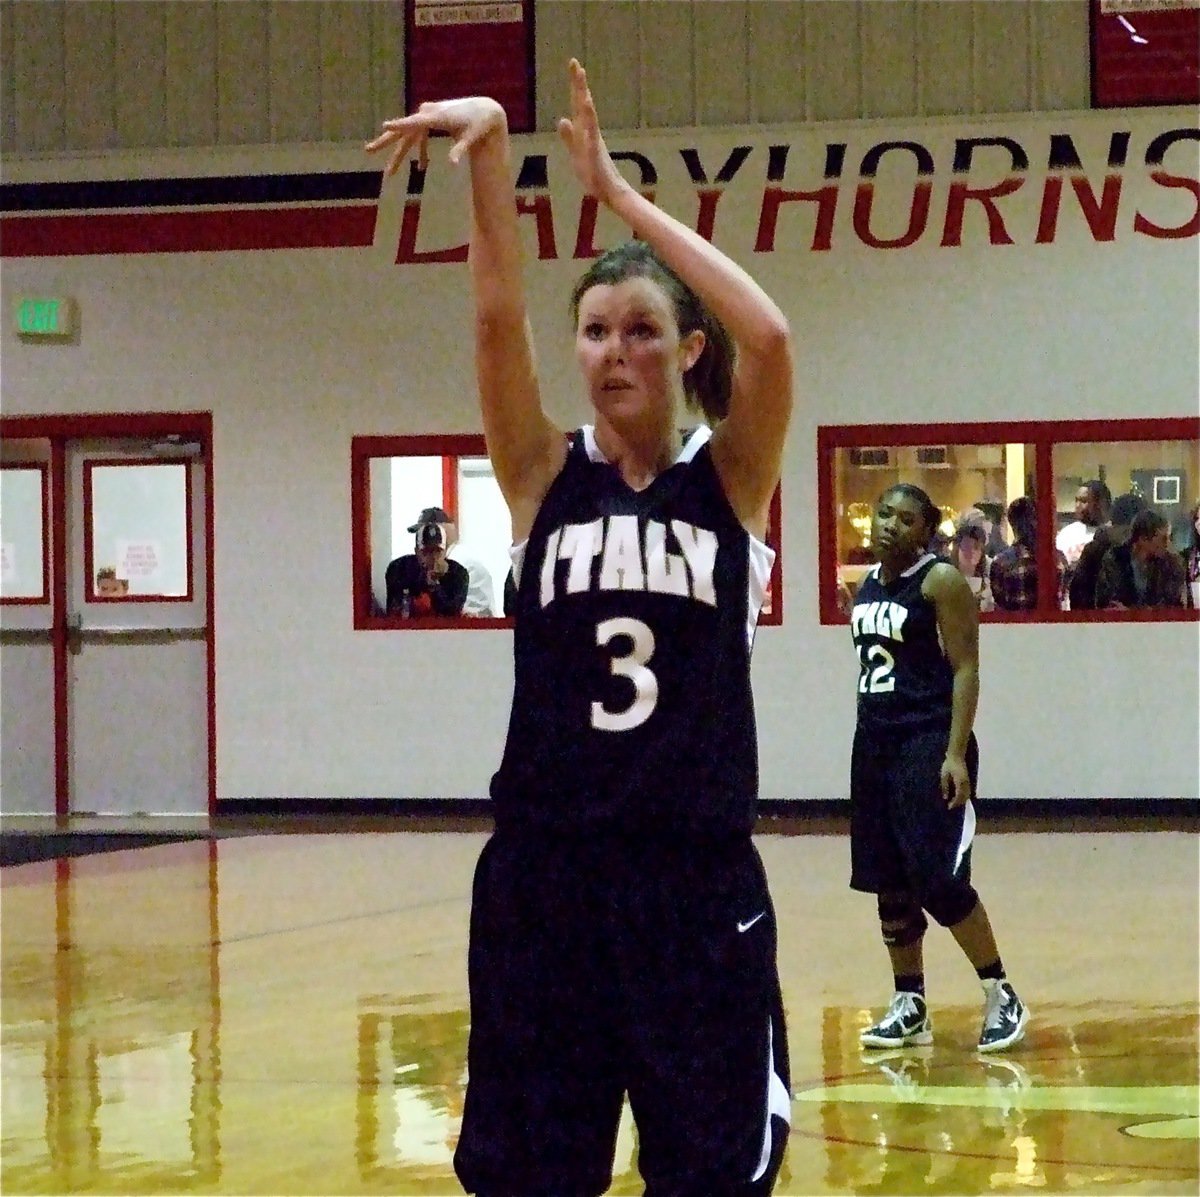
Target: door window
(137, 543)
(23, 516)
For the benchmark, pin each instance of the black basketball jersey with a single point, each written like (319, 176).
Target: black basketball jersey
(632, 708)
(906, 681)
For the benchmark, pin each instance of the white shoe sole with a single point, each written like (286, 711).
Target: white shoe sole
(1015, 1037)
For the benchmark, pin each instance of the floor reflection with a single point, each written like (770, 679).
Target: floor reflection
(411, 1075)
(411, 1081)
(1065, 1111)
(287, 1015)
(111, 1063)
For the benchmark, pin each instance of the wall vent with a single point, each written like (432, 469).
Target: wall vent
(871, 459)
(936, 456)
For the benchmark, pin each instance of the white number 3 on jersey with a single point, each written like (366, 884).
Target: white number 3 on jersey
(633, 666)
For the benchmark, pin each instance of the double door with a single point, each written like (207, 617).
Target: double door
(105, 636)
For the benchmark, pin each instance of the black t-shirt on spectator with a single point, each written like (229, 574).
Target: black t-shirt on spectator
(447, 597)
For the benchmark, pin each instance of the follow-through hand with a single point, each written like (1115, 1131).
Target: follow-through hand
(468, 120)
(584, 141)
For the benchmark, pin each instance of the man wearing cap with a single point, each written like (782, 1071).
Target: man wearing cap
(426, 581)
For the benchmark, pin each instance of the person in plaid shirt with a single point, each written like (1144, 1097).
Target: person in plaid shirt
(1191, 559)
(1014, 571)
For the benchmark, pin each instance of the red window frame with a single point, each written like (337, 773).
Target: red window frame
(1043, 436)
(452, 446)
(449, 447)
(43, 468)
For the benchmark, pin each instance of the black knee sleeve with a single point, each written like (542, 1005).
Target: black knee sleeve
(901, 920)
(950, 903)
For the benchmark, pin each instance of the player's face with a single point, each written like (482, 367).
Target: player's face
(629, 349)
(899, 534)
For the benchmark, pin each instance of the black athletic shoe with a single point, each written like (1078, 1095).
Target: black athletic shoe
(906, 1021)
(1004, 1018)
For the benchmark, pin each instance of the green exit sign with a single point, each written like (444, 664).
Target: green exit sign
(45, 317)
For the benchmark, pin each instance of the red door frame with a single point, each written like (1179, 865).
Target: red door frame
(58, 430)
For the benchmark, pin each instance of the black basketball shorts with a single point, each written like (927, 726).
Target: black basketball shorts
(614, 966)
(902, 835)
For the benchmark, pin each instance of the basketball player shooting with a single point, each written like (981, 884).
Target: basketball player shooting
(623, 939)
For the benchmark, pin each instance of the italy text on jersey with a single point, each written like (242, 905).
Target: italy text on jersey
(623, 544)
(884, 619)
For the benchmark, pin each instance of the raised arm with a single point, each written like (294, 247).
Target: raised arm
(527, 451)
(747, 447)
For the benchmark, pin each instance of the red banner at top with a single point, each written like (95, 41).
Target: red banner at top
(471, 48)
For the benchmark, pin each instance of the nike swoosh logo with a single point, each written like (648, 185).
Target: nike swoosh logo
(750, 922)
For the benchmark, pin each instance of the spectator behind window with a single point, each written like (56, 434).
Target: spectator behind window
(993, 522)
(968, 552)
(1013, 574)
(1082, 579)
(425, 581)
(108, 585)
(1144, 571)
(481, 598)
(1092, 503)
(1191, 558)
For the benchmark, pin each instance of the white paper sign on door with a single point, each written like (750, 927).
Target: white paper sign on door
(141, 562)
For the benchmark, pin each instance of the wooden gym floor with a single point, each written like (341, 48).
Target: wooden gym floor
(286, 1014)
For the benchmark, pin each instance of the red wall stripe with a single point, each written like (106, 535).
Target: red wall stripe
(182, 232)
